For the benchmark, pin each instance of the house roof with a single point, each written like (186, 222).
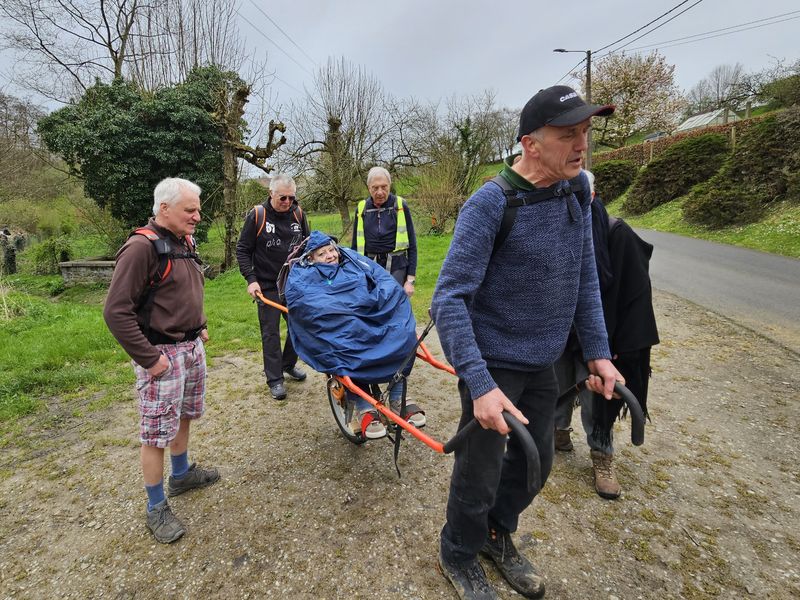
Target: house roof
(713, 117)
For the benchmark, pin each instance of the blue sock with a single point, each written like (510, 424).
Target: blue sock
(180, 464)
(155, 494)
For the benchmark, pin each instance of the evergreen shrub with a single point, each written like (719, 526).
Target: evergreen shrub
(673, 174)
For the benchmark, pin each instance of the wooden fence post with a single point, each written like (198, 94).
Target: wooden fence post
(733, 137)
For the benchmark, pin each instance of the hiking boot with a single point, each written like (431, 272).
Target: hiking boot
(414, 414)
(468, 579)
(563, 442)
(371, 426)
(165, 526)
(195, 478)
(295, 373)
(605, 481)
(517, 570)
(278, 390)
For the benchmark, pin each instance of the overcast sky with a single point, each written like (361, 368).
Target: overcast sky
(433, 49)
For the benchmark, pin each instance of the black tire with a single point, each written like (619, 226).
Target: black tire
(343, 411)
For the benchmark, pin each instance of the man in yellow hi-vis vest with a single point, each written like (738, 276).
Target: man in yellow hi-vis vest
(383, 230)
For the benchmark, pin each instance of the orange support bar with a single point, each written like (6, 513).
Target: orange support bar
(425, 439)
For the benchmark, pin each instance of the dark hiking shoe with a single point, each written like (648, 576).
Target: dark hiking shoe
(165, 526)
(517, 570)
(468, 579)
(563, 443)
(195, 478)
(295, 374)
(278, 391)
(605, 481)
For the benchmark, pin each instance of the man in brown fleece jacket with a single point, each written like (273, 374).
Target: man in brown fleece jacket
(162, 327)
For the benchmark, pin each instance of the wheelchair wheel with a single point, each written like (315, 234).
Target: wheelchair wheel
(343, 411)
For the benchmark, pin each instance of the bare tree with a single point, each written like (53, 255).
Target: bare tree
(342, 126)
(17, 143)
(172, 37)
(504, 123)
(64, 46)
(722, 87)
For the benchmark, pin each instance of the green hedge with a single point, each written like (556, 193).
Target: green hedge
(764, 168)
(674, 173)
(613, 177)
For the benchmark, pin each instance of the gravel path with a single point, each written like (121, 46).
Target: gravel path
(710, 503)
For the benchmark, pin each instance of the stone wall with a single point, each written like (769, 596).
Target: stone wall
(87, 271)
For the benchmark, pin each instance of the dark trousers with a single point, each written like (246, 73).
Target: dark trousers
(488, 486)
(275, 361)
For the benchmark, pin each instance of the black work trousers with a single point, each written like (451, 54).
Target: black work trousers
(275, 361)
(488, 487)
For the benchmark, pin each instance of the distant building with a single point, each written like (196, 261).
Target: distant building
(715, 117)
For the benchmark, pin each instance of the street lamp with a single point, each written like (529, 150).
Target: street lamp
(588, 97)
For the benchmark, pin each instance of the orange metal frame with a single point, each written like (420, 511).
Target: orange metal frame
(422, 353)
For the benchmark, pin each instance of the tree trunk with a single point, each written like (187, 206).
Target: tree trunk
(229, 179)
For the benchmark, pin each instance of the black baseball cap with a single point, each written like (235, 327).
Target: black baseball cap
(559, 106)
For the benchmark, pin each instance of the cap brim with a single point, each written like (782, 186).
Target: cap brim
(582, 113)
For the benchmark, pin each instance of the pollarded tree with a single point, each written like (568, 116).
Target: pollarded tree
(644, 92)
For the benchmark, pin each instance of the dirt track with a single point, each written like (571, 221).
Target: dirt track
(710, 507)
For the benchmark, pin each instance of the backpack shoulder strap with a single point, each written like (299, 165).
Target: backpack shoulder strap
(260, 215)
(297, 213)
(509, 212)
(163, 250)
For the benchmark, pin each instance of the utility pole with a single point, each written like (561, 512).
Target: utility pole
(588, 99)
(590, 149)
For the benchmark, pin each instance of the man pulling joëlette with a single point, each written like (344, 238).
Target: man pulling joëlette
(503, 317)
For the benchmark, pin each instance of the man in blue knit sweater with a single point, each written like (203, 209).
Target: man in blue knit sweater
(503, 315)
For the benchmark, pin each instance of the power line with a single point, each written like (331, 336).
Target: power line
(288, 37)
(706, 35)
(643, 26)
(660, 25)
(266, 37)
(583, 60)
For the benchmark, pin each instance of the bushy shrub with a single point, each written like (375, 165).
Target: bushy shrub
(613, 177)
(49, 253)
(673, 174)
(762, 169)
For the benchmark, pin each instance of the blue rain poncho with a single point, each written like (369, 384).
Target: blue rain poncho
(350, 318)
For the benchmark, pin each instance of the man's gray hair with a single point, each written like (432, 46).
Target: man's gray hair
(280, 180)
(168, 191)
(378, 172)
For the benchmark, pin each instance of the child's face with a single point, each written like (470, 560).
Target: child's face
(325, 254)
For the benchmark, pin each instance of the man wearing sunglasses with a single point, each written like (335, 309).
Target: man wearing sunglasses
(271, 230)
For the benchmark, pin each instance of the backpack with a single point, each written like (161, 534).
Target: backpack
(166, 254)
(516, 198)
(261, 214)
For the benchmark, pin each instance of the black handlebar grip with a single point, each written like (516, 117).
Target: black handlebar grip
(637, 414)
(534, 465)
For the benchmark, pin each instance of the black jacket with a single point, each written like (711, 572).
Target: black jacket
(261, 259)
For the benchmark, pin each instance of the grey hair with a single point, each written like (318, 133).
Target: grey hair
(378, 172)
(280, 180)
(168, 191)
(538, 134)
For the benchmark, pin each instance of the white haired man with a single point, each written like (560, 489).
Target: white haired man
(154, 309)
(383, 230)
(271, 230)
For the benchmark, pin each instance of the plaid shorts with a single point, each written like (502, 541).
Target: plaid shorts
(177, 394)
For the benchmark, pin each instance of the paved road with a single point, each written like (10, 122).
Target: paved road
(758, 290)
